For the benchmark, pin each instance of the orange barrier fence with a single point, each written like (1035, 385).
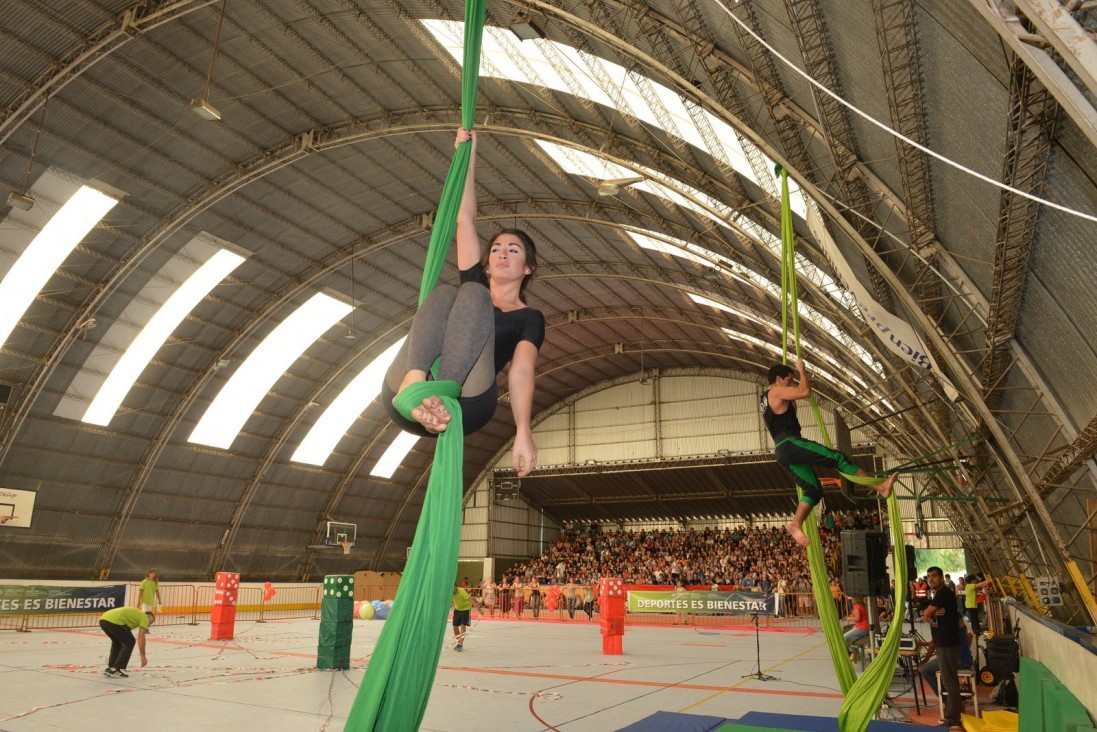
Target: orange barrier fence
(188, 604)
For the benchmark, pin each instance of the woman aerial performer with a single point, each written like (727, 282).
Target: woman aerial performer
(476, 329)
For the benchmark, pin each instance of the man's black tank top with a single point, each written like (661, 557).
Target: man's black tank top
(780, 426)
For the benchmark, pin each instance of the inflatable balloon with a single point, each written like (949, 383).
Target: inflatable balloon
(552, 598)
(380, 610)
(366, 611)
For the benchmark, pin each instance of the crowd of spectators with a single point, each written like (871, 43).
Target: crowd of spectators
(763, 558)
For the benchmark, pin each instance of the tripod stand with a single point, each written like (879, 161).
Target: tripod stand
(758, 656)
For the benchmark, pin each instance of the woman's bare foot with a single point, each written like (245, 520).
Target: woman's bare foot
(433, 415)
(884, 489)
(797, 534)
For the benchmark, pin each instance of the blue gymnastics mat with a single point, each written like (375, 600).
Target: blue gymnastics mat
(756, 722)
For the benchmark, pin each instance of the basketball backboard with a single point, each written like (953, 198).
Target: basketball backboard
(340, 533)
(16, 508)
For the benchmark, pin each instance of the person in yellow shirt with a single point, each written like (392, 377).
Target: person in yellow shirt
(462, 609)
(149, 592)
(119, 624)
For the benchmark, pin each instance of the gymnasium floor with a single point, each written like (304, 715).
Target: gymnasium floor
(513, 675)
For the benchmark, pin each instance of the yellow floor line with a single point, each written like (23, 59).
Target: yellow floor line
(744, 681)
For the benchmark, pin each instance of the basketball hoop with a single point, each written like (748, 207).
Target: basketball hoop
(346, 546)
(5, 519)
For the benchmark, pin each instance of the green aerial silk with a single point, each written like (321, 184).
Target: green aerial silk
(863, 695)
(396, 688)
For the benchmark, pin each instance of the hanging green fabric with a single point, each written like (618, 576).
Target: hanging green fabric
(867, 694)
(394, 693)
(863, 695)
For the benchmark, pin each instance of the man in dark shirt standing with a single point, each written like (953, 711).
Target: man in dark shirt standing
(943, 618)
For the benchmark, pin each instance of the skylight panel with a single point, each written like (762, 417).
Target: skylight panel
(702, 300)
(45, 253)
(155, 333)
(657, 245)
(704, 257)
(242, 393)
(598, 74)
(773, 348)
(394, 455)
(333, 424)
(772, 325)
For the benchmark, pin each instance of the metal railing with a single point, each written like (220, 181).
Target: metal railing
(795, 610)
(188, 604)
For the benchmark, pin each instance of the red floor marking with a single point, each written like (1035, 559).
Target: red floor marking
(633, 682)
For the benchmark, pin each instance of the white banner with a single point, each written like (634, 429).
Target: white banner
(892, 331)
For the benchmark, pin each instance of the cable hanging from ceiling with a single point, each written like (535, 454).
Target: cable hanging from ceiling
(895, 133)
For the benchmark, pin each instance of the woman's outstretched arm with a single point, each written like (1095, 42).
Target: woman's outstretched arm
(520, 380)
(468, 241)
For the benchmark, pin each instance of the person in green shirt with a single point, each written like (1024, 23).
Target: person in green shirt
(462, 609)
(971, 601)
(119, 624)
(149, 592)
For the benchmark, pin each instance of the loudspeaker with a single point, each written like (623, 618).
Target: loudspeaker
(864, 568)
(912, 571)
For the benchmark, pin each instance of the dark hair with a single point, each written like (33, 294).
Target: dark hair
(931, 570)
(779, 370)
(531, 255)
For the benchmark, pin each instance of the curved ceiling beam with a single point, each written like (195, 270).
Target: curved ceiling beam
(266, 461)
(284, 154)
(411, 121)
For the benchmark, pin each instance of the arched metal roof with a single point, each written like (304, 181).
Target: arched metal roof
(326, 166)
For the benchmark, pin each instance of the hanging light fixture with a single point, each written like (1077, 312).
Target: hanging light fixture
(201, 106)
(22, 200)
(526, 28)
(350, 334)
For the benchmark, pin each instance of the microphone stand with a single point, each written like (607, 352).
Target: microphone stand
(758, 656)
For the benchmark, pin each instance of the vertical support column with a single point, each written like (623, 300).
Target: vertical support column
(611, 608)
(336, 622)
(222, 615)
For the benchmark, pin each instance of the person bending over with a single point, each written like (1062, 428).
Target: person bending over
(795, 454)
(477, 329)
(119, 624)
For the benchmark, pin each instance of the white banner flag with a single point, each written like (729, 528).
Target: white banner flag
(893, 332)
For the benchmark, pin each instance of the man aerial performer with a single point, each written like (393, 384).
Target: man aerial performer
(797, 455)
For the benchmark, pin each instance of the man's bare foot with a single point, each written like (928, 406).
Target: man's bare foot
(797, 534)
(884, 489)
(433, 415)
